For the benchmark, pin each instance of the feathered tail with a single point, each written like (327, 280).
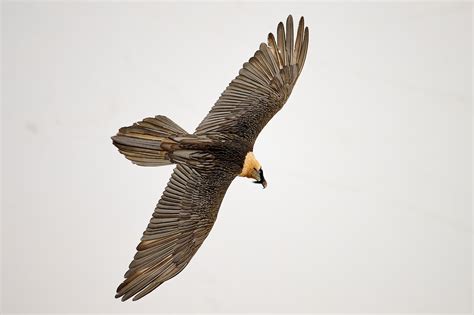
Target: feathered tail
(159, 141)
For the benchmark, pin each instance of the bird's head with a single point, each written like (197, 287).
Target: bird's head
(253, 169)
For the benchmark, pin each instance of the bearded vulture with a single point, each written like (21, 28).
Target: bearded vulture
(208, 160)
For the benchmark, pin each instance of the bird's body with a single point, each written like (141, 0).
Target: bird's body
(207, 160)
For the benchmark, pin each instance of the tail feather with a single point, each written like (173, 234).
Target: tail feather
(150, 141)
(164, 124)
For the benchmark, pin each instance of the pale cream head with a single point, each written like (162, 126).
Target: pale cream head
(253, 169)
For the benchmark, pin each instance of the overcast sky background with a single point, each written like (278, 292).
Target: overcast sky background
(368, 207)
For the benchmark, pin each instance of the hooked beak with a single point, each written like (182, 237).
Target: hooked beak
(262, 179)
(264, 183)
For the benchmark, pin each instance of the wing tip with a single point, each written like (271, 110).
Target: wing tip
(120, 296)
(290, 49)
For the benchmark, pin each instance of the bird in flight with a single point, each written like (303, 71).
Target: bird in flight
(208, 160)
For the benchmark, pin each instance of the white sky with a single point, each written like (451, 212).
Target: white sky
(368, 207)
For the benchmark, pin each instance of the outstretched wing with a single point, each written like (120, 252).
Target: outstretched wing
(182, 220)
(262, 87)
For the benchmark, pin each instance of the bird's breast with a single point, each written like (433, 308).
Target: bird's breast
(230, 154)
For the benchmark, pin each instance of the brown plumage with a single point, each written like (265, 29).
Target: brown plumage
(207, 160)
